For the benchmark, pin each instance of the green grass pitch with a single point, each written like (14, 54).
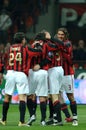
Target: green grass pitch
(13, 119)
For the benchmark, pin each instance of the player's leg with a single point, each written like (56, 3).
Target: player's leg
(64, 108)
(5, 108)
(57, 118)
(23, 89)
(22, 106)
(50, 104)
(69, 88)
(33, 79)
(42, 93)
(43, 107)
(31, 105)
(50, 108)
(73, 107)
(56, 75)
(9, 88)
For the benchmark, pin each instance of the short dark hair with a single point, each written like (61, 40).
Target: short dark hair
(40, 36)
(18, 37)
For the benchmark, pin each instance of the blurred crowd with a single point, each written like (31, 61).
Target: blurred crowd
(17, 15)
(79, 54)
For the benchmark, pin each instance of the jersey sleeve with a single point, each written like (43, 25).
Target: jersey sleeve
(33, 52)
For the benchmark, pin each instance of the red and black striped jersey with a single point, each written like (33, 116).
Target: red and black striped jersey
(20, 57)
(67, 58)
(35, 60)
(51, 55)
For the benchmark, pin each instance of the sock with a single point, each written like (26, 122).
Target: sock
(73, 107)
(43, 107)
(64, 108)
(34, 107)
(22, 109)
(57, 110)
(50, 108)
(30, 106)
(5, 110)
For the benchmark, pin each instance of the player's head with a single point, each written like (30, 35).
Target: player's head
(62, 34)
(19, 37)
(43, 35)
(47, 34)
(40, 36)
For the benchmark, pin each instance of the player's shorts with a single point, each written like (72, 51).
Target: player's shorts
(68, 84)
(55, 79)
(16, 79)
(38, 82)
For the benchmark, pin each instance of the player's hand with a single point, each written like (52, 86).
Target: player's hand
(36, 67)
(1, 78)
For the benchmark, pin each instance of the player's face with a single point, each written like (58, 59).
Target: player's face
(61, 35)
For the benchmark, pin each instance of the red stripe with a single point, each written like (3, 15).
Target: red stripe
(56, 102)
(15, 62)
(63, 107)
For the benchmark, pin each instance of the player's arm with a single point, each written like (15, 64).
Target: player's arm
(60, 44)
(34, 51)
(57, 41)
(67, 54)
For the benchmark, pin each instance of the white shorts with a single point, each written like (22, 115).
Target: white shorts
(16, 79)
(68, 84)
(55, 79)
(38, 82)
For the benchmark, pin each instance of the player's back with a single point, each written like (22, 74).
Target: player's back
(17, 58)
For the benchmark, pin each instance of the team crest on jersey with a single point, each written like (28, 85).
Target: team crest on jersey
(50, 54)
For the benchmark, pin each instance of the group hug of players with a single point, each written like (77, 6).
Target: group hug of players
(43, 69)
